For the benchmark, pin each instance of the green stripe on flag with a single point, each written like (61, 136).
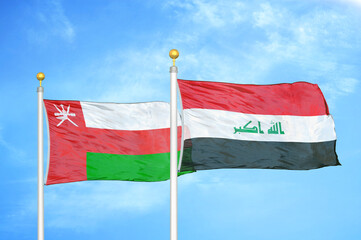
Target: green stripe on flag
(142, 168)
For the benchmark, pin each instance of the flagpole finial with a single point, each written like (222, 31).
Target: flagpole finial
(173, 54)
(40, 76)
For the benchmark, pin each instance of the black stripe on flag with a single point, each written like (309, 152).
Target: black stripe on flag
(215, 153)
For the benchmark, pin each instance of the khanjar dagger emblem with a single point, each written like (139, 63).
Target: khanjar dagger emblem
(64, 115)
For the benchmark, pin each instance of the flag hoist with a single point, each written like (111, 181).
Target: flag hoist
(173, 147)
(40, 76)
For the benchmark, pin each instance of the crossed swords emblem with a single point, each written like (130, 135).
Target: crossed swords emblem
(64, 115)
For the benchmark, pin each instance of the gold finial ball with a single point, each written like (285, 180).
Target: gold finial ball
(173, 53)
(40, 76)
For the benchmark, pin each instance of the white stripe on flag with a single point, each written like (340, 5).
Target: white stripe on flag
(135, 116)
(221, 124)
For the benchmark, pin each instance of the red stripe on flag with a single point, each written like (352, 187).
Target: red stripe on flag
(69, 143)
(298, 99)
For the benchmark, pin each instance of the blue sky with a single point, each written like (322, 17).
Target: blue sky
(118, 51)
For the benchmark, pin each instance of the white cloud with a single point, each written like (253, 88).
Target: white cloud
(353, 2)
(228, 41)
(133, 75)
(348, 85)
(313, 44)
(52, 22)
(12, 149)
(267, 16)
(211, 13)
(83, 205)
(304, 41)
(226, 186)
(338, 87)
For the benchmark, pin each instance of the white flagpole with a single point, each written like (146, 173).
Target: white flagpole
(173, 148)
(40, 76)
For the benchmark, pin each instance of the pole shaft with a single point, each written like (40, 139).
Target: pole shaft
(173, 155)
(40, 91)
